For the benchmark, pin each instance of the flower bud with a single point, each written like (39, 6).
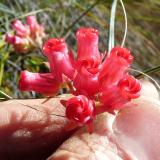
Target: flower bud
(36, 30)
(32, 22)
(19, 44)
(21, 30)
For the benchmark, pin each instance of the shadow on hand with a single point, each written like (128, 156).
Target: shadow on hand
(29, 134)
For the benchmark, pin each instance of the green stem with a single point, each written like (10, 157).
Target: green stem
(6, 95)
(149, 71)
(3, 60)
(1, 72)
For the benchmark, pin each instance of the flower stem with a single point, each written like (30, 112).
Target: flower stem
(2, 64)
(1, 72)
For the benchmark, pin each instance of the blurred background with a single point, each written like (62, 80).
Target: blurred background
(61, 18)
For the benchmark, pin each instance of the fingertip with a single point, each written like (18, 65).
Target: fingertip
(149, 89)
(136, 128)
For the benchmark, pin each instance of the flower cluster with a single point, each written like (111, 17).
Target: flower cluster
(26, 36)
(94, 79)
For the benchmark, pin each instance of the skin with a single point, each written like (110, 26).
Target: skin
(29, 134)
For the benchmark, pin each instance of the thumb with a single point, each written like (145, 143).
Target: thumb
(136, 129)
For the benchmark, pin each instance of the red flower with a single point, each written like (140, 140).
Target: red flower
(19, 44)
(27, 36)
(129, 87)
(114, 97)
(21, 30)
(88, 62)
(80, 109)
(43, 83)
(32, 22)
(86, 81)
(35, 28)
(87, 39)
(122, 53)
(115, 66)
(60, 63)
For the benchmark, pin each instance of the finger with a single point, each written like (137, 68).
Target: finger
(28, 132)
(137, 127)
(149, 89)
(95, 146)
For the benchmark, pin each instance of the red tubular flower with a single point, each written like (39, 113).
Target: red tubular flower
(87, 39)
(80, 109)
(35, 28)
(115, 66)
(19, 44)
(88, 62)
(123, 53)
(21, 30)
(43, 83)
(57, 53)
(86, 81)
(32, 22)
(114, 97)
(111, 100)
(9, 38)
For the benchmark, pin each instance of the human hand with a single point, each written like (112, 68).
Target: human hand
(30, 134)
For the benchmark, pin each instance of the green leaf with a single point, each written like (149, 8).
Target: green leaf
(5, 9)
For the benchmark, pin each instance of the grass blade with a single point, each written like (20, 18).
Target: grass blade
(111, 26)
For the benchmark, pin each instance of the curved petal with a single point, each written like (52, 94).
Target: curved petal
(80, 109)
(130, 87)
(114, 97)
